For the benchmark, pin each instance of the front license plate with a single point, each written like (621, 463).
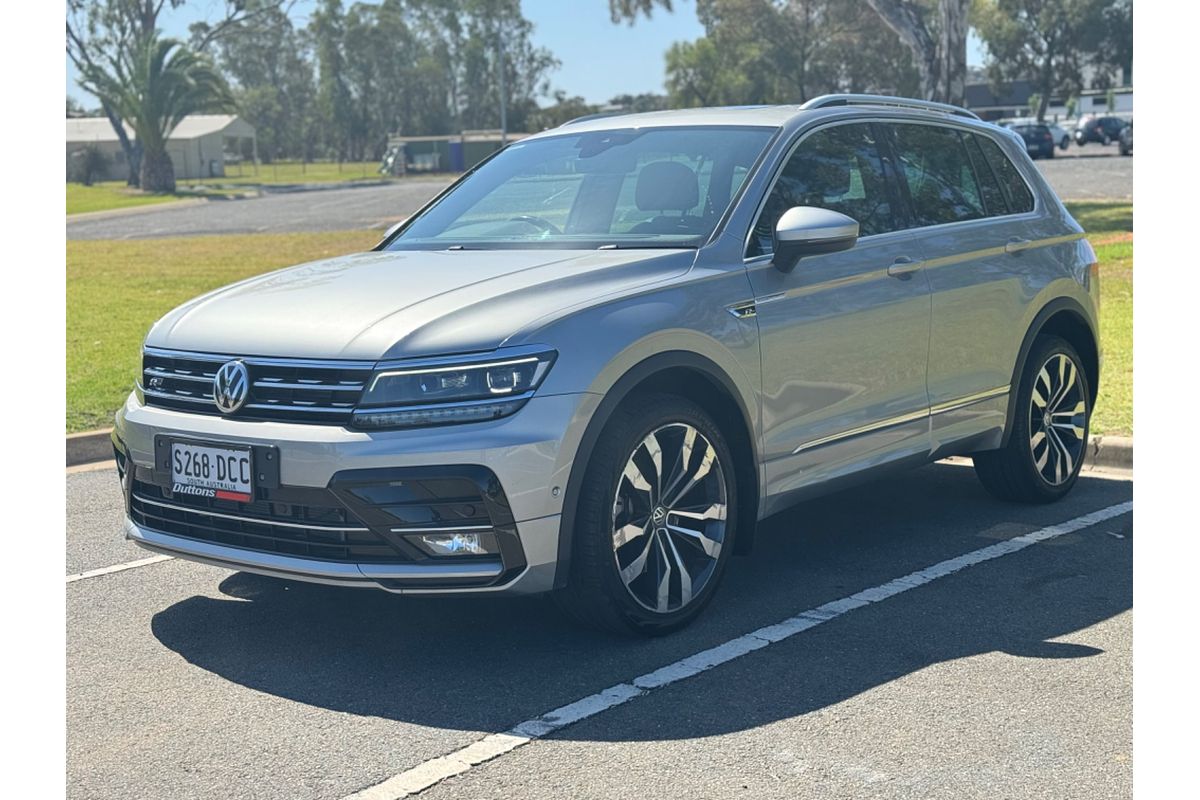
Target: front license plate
(223, 473)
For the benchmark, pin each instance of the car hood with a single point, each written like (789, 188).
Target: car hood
(406, 303)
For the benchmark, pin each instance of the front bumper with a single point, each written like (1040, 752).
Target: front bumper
(529, 453)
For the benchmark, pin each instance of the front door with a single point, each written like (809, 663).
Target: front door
(844, 336)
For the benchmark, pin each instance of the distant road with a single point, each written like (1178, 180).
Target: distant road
(324, 210)
(1084, 174)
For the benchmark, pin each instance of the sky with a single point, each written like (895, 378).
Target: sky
(599, 59)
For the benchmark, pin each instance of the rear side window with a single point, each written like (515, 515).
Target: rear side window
(994, 199)
(1020, 199)
(838, 168)
(941, 182)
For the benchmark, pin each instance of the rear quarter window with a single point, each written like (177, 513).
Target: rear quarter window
(1016, 191)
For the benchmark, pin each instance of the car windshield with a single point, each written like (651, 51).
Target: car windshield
(648, 187)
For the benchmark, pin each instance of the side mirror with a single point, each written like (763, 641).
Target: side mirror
(809, 231)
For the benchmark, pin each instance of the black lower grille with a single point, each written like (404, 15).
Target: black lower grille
(305, 523)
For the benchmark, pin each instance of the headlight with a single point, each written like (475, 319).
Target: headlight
(452, 390)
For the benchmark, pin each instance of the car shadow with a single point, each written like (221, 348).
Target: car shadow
(487, 663)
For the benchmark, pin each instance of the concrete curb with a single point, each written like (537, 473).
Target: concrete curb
(1110, 451)
(1115, 452)
(126, 212)
(89, 447)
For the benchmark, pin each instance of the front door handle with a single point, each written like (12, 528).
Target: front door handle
(1016, 245)
(903, 268)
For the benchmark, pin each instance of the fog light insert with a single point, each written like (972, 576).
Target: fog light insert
(457, 543)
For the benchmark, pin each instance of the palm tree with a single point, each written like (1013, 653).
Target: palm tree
(152, 85)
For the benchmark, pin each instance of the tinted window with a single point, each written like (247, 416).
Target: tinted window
(1020, 199)
(938, 172)
(838, 168)
(993, 196)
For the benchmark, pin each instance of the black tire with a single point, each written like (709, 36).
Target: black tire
(596, 595)
(1012, 473)
(1050, 153)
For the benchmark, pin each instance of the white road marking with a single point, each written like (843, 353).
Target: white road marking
(429, 773)
(95, 573)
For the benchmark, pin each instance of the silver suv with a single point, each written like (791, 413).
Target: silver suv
(592, 364)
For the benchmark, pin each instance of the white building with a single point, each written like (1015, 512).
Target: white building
(199, 146)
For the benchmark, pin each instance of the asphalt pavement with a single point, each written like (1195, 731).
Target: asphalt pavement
(1091, 173)
(318, 210)
(1009, 678)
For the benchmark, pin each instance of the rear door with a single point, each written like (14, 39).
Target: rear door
(972, 215)
(844, 336)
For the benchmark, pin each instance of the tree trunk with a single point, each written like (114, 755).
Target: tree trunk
(131, 150)
(941, 61)
(158, 173)
(953, 43)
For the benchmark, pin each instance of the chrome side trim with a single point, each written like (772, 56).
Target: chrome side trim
(744, 310)
(979, 397)
(252, 520)
(874, 426)
(941, 408)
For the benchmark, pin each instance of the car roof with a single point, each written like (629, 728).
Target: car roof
(768, 116)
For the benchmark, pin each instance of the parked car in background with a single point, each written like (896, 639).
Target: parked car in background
(595, 362)
(1104, 130)
(1062, 137)
(1039, 141)
(1126, 139)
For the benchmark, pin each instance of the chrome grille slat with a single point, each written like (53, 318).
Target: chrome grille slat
(280, 389)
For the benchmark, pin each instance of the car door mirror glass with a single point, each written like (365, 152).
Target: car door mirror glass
(807, 231)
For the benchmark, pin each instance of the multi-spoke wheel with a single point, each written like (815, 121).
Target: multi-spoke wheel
(1049, 439)
(669, 517)
(1057, 419)
(655, 520)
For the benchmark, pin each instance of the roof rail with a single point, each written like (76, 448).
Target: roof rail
(828, 100)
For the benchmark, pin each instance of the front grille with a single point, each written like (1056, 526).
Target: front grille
(295, 390)
(306, 523)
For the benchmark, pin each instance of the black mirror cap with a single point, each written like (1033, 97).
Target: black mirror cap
(788, 254)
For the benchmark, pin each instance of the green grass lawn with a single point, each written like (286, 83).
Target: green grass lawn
(116, 289)
(109, 195)
(1110, 230)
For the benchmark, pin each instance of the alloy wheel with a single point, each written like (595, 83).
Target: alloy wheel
(1057, 419)
(669, 517)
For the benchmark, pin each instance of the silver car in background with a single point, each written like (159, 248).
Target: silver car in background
(597, 360)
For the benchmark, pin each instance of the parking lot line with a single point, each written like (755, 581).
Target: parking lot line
(95, 573)
(433, 771)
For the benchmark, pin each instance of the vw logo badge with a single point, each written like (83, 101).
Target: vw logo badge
(231, 386)
(659, 515)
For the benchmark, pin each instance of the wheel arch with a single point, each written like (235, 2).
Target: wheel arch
(705, 383)
(1066, 318)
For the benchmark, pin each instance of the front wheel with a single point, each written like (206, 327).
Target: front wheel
(1048, 441)
(655, 522)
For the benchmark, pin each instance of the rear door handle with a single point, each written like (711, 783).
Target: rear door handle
(1016, 245)
(903, 268)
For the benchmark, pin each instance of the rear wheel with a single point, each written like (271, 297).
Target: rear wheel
(655, 521)
(1048, 442)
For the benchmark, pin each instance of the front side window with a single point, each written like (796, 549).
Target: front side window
(941, 182)
(651, 187)
(838, 168)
